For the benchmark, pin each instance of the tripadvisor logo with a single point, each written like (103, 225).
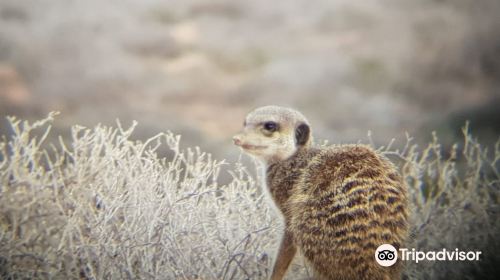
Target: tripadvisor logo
(387, 255)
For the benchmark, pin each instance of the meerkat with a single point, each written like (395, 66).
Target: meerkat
(339, 203)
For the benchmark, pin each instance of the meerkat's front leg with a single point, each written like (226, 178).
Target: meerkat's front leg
(285, 256)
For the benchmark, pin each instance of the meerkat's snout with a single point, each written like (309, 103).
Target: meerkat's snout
(237, 140)
(248, 142)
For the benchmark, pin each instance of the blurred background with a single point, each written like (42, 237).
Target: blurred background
(197, 67)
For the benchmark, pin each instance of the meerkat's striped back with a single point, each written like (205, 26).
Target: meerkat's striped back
(348, 201)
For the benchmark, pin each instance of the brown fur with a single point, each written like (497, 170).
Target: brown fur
(339, 204)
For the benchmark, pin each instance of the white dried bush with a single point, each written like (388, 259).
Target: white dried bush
(106, 207)
(455, 200)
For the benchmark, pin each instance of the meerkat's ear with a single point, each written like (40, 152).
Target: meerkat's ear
(302, 134)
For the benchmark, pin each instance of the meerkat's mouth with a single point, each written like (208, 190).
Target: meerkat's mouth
(252, 147)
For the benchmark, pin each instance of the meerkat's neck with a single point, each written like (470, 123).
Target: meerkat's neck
(282, 176)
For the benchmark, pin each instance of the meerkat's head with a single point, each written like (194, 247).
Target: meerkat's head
(273, 133)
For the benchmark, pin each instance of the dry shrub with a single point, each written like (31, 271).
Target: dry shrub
(455, 201)
(106, 207)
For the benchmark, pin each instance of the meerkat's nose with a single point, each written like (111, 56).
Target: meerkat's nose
(237, 140)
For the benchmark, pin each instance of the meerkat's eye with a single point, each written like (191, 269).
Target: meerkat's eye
(270, 126)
